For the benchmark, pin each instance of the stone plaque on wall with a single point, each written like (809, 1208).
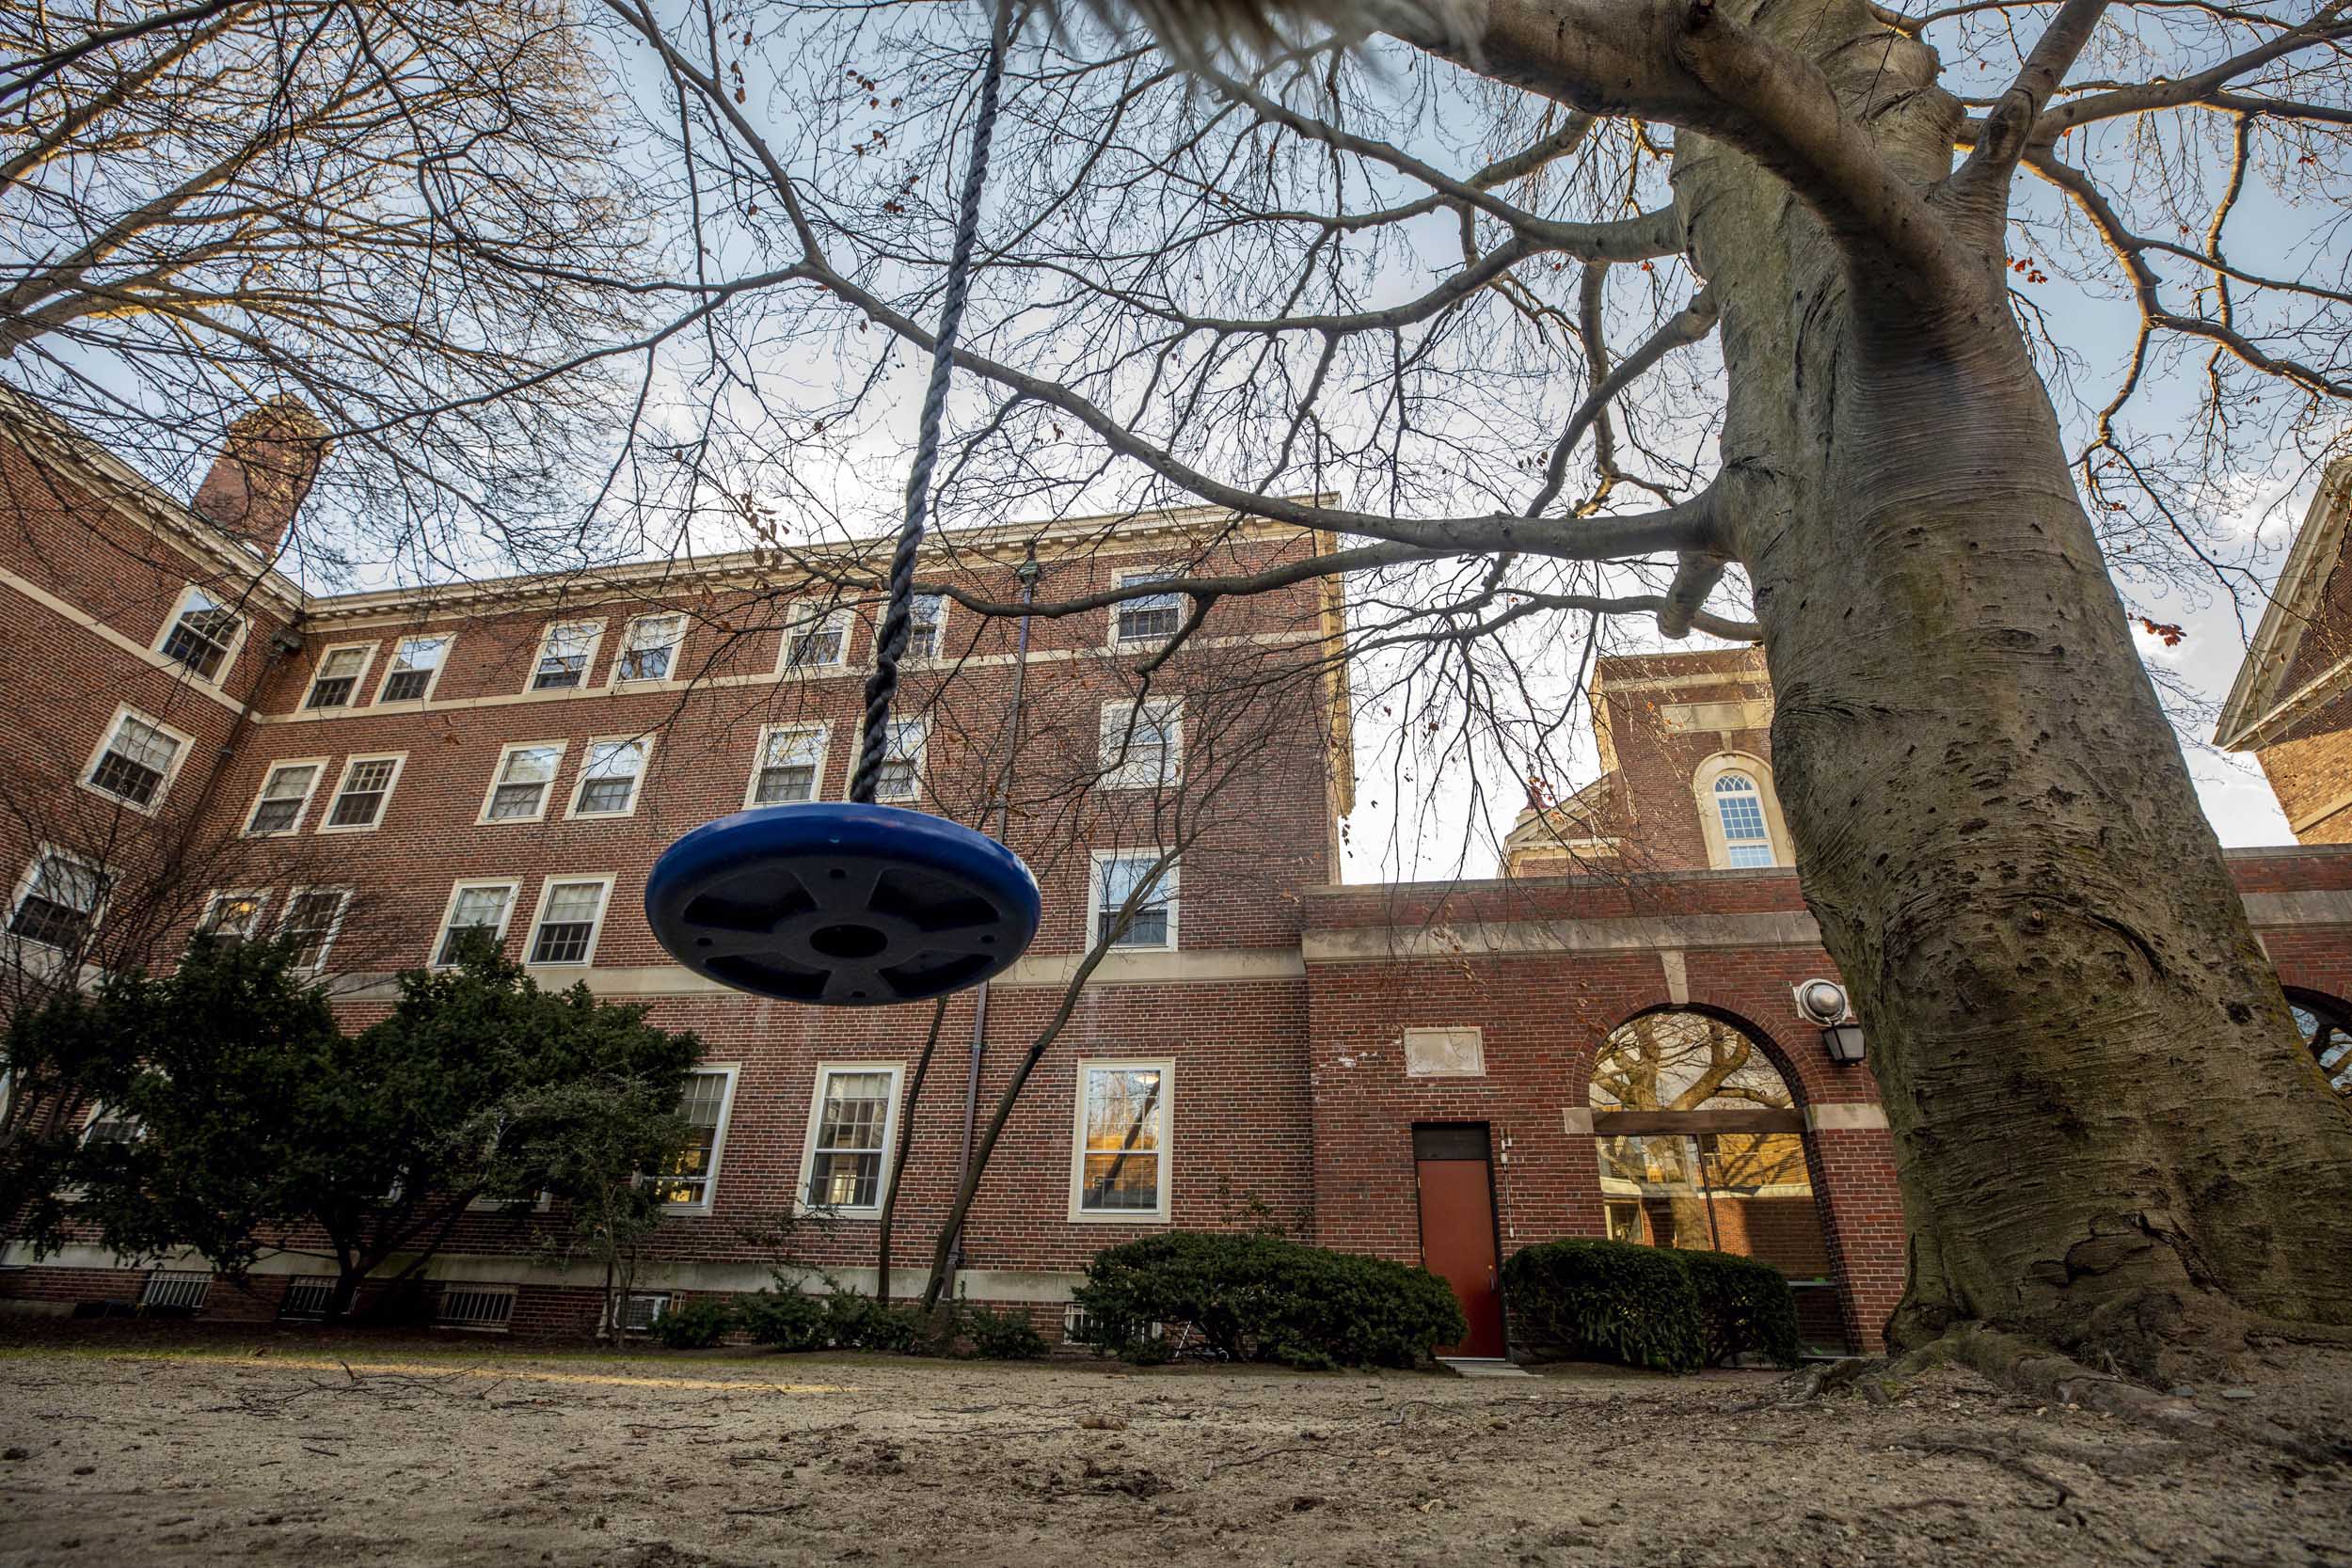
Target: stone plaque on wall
(1445, 1054)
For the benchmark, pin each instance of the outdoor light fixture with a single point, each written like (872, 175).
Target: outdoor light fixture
(1824, 1003)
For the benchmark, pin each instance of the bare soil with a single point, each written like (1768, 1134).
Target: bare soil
(327, 1454)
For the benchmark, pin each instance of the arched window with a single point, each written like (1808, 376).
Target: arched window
(2326, 1028)
(1740, 807)
(1701, 1146)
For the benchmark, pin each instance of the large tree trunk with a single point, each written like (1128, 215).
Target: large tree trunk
(2106, 1124)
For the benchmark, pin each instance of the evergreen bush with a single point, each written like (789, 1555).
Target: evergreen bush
(787, 1319)
(1744, 1305)
(698, 1325)
(1649, 1307)
(859, 1323)
(1002, 1335)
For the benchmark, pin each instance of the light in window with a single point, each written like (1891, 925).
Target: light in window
(1116, 878)
(283, 795)
(901, 777)
(233, 916)
(1119, 1169)
(700, 1106)
(567, 925)
(1148, 617)
(791, 762)
(1139, 744)
(813, 638)
(608, 778)
(200, 637)
(653, 641)
(1740, 807)
(564, 657)
(136, 761)
(60, 900)
(309, 928)
(414, 664)
(337, 675)
(846, 1163)
(477, 911)
(367, 781)
(523, 777)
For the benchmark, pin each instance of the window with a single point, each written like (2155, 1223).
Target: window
(642, 1309)
(901, 777)
(1117, 873)
(337, 675)
(518, 790)
(1740, 806)
(360, 797)
(58, 901)
(107, 1125)
(565, 654)
(475, 909)
(203, 634)
(307, 1297)
(791, 765)
(1119, 1169)
(850, 1121)
(569, 914)
(136, 760)
(1148, 617)
(816, 637)
(285, 795)
(927, 623)
(417, 663)
(1142, 743)
(175, 1291)
(2322, 1022)
(608, 777)
(650, 648)
(233, 916)
(314, 916)
(691, 1181)
(484, 1308)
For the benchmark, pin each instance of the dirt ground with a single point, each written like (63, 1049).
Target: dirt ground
(284, 1450)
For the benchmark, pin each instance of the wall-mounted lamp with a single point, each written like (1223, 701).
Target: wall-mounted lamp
(1843, 1041)
(1824, 1003)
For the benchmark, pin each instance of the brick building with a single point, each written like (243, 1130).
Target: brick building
(1604, 1042)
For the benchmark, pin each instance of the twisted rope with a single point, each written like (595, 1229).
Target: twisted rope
(898, 618)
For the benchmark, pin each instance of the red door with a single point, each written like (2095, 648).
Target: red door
(1458, 1229)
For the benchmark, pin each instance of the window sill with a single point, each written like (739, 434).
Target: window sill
(125, 801)
(1079, 1216)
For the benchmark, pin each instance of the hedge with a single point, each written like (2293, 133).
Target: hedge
(1256, 1297)
(1649, 1307)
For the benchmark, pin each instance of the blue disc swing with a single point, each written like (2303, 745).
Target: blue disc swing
(850, 904)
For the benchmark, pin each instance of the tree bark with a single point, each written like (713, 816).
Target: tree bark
(2106, 1129)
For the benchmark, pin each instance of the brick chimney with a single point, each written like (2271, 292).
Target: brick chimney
(264, 472)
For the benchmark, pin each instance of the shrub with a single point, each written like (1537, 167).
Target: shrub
(859, 1323)
(1744, 1305)
(696, 1325)
(1002, 1335)
(787, 1319)
(1649, 1307)
(1257, 1297)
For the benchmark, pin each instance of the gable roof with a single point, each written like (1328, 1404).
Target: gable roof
(2260, 708)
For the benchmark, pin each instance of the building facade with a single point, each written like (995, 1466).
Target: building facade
(1604, 1042)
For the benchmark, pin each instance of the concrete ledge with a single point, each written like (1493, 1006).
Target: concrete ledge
(1845, 1116)
(1515, 937)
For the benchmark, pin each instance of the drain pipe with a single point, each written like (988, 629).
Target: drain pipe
(1029, 572)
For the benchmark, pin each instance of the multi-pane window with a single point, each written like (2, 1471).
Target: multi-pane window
(478, 910)
(565, 654)
(415, 663)
(367, 783)
(1123, 1140)
(136, 761)
(1141, 743)
(518, 790)
(1147, 617)
(791, 765)
(110, 1125)
(568, 915)
(60, 900)
(814, 636)
(927, 618)
(901, 777)
(313, 917)
(608, 778)
(201, 634)
(284, 793)
(652, 648)
(338, 675)
(850, 1136)
(1116, 877)
(233, 916)
(702, 1106)
(1740, 807)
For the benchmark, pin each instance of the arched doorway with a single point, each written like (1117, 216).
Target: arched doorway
(1702, 1146)
(2325, 1024)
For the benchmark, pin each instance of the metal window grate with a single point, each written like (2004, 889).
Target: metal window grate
(307, 1298)
(487, 1307)
(1078, 1323)
(176, 1290)
(645, 1309)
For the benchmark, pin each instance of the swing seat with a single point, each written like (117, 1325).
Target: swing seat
(842, 905)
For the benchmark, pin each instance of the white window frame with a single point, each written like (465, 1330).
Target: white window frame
(448, 911)
(1711, 815)
(629, 645)
(498, 771)
(603, 881)
(1127, 772)
(334, 926)
(820, 729)
(236, 638)
(327, 818)
(1166, 1068)
(921, 723)
(358, 677)
(45, 852)
(1171, 894)
(816, 1119)
(184, 743)
(448, 640)
(938, 653)
(91, 1118)
(219, 895)
(718, 1141)
(302, 813)
(1135, 576)
(644, 742)
(595, 625)
(803, 618)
